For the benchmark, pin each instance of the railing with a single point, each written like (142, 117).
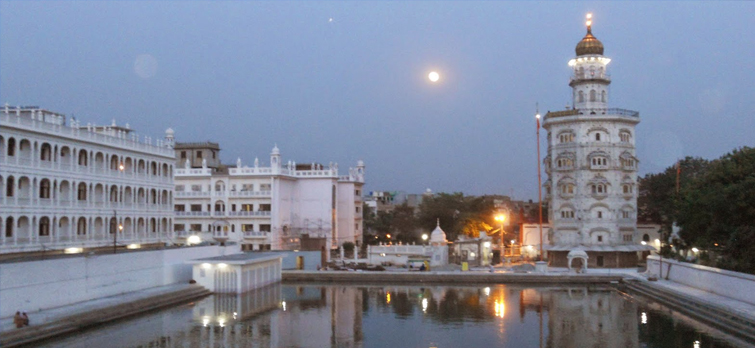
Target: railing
(318, 173)
(249, 171)
(255, 234)
(192, 213)
(8, 119)
(599, 111)
(249, 213)
(250, 193)
(587, 77)
(192, 171)
(193, 194)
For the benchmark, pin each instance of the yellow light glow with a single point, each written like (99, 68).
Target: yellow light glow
(283, 304)
(424, 236)
(388, 297)
(500, 218)
(424, 305)
(193, 240)
(73, 250)
(487, 291)
(133, 246)
(500, 309)
(589, 15)
(121, 167)
(487, 244)
(206, 265)
(589, 23)
(222, 265)
(388, 236)
(433, 76)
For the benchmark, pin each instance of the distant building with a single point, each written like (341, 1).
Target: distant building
(592, 169)
(435, 252)
(265, 207)
(64, 185)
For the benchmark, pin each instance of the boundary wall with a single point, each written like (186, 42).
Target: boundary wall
(735, 285)
(38, 285)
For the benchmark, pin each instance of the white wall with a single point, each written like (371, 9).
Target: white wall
(38, 285)
(739, 286)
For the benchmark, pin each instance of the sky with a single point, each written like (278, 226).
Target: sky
(348, 81)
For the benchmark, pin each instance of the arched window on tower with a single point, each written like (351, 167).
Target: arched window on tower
(593, 95)
(603, 96)
(581, 97)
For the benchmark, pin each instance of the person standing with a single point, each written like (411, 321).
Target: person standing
(25, 319)
(18, 320)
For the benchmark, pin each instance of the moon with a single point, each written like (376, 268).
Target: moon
(433, 76)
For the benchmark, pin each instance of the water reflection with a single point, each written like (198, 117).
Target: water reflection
(400, 316)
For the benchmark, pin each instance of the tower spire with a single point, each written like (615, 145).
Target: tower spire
(589, 23)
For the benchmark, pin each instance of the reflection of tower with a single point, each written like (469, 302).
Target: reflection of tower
(346, 316)
(586, 318)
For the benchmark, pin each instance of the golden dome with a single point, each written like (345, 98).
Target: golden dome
(589, 45)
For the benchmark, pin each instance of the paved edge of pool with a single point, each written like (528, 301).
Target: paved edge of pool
(97, 316)
(447, 277)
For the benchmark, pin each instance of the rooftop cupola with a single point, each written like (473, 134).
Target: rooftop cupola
(589, 44)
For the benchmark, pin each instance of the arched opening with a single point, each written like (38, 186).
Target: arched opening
(153, 225)
(82, 192)
(65, 192)
(142, 228)
(164, 225)
(99, 226)
(141, 198)
(581, 96)
(219, 207)
(165, 170)
(99, 161)
(9, 227)
(128, 226)
(603, 96)
(128, 165)
(141, 168)
(164, 198)
(11, 147)
(24, 227)
(24, 149)
(99, 194)
(65, 157)
(24, 188)
(153, 168)
(593, 95)
(128, 195)
(114, 194)
(64, 227)
(83, 158)
(81, 226)
(113, 225)
(44, 189)
(9, 187)
(44, 226)
(45, 152)
(153, 196)
(114, 163)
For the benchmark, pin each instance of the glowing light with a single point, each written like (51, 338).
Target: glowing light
(121, 167)
(657, 242)
(695, 250)
(589, 23)
(424, 305)
(120, 227)
(235, 315)
(530, 247)
(133, 246)
(589, 15)
(387, 297)
(330, 19)
(205, 321)
(500, 309)
(388, 236)
(487, 291)
(471, 254)
(696, 344)
(283, 304)
(206, 265)
(424, 236)
(433, 76)
(537, 116)
(221, 322)
(513, 242)
(643, 242)
(222, 265)
(193, 240)
(644, 318)
(73, 250)
(487, 244)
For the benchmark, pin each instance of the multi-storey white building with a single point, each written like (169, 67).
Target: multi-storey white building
(592, 169)
(63, 185)
(265, 207)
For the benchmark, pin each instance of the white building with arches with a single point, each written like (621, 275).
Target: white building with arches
(64, 185)
(592, 169)
(264, 207)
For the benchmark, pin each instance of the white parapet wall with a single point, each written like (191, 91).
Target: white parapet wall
(739, 286)
(38, 285)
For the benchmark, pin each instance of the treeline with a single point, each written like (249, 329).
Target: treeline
(712, 202)
(457, 214)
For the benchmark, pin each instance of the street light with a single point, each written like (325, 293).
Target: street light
(539, 182)
(501, 218)
(424, 237)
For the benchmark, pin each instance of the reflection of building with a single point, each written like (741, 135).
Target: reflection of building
(436, 252)
(265, 207)
(592, 169)
(586, 318)
(63, 185)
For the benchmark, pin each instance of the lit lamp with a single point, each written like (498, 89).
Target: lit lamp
(501, 218)
(424, 237)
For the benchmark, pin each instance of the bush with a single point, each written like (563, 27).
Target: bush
(348, 246)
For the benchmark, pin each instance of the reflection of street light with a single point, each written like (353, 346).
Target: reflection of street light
(501, 218)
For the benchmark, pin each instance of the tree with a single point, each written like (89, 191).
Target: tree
(717, 208)
(404, 224)
(457, 214)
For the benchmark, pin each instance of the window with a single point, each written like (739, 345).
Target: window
(196, 207)
(247, 207)
(567, 214)
(600, 261)
(233, 207)
(598, 188)
(265, 228)
(178, 227)
(44, 189)
(9, 227)
(199, 154)
(44, 226)
(626, 214)
(183, 154)
(265, 187)
(603, 96)
(213, 155)
(593, 96)
(196, 188)
(627, 238)
(358, 209)
(357, 193)
(581, 97)
(11, 147)
(247, 227)
(247, 187)
(566, 138)
(597, 136)
(627, 188)
(179, 207)
(567, 188)
(82, 194)
(600, 239)
(9, 187)
(180, 188)
(625, 136)
(196, 227)
(265, 207)
(600, 215)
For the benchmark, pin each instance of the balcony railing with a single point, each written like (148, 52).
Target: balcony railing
(255, 234)
(249, 213)
(192, 213)
(250, 193)
(193, 194)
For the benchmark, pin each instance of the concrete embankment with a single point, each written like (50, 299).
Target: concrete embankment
(740, 325)
(409, 278)
(106, 310)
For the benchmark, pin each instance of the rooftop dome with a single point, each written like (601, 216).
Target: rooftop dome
(438, 236)
(589, 44)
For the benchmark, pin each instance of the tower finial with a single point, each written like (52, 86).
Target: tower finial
(438, 222)
(589, 23)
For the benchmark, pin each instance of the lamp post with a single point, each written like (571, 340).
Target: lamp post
(501, 218)
(539, 183)
(424, 237)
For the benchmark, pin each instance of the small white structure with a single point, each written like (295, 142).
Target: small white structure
(237, 273)
(578, 254)
(475, 251)
(436, 253)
